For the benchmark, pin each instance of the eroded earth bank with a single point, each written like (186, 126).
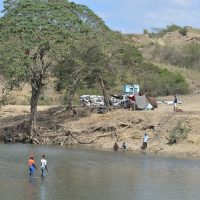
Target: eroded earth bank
(171, 133)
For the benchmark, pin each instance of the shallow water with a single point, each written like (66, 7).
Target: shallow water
(92, 175)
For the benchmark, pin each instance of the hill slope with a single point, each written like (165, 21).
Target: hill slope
(174, 52)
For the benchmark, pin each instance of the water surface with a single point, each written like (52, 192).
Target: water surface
(92, 175)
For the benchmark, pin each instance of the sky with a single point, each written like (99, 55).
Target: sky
(133, 16)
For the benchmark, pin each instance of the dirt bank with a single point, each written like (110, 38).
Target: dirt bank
(101, 131)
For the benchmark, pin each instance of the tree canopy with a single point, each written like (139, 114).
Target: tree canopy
(36, 35)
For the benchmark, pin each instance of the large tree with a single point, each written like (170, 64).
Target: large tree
(35, 36)
(109, 59)
(97, 61)
(72, 70)
(88, 65)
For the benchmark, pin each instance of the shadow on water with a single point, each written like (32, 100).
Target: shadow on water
(36, 187)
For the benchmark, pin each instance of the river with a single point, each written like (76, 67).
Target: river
(91, 175)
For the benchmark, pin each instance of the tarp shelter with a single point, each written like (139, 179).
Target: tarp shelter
(152, 101)
(143, 101)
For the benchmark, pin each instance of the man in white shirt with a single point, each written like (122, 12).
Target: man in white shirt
(145, 140)
(44, 166)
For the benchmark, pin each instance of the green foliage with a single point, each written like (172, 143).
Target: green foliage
(127, 55)
(172, 27)
(44, 100)
(157, 82)
(179, 132)
(145, 31)
(162, 32)
(183, 31)
(98, 61)
(34, 35)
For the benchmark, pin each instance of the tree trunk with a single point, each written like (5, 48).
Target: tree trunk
(105, 93)
(34, 101)
(71, 92)
(69, 100)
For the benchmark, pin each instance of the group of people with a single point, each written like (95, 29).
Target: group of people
(33, 167)
(125, 146)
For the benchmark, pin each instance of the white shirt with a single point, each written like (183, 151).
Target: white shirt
(146, 138)
(43, 163)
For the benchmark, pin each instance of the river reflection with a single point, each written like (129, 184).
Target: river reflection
(91, 175)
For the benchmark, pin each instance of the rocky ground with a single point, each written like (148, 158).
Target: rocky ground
(101, 131)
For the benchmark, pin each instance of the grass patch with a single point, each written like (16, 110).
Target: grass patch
(45, 101)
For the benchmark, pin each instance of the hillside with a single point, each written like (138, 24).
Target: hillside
(174, 52)
(170, 38)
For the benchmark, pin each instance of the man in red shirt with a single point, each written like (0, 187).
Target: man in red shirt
(31, 165)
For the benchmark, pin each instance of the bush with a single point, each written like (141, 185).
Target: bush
(145, 31)
(44, 101)
(183, 31)
(161, 32)
(178, 133)
(157, 82)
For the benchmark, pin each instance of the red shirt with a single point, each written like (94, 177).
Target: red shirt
(31, 162)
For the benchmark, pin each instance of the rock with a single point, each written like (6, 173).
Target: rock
(123, 125)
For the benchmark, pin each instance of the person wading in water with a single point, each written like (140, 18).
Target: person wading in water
(32, 166)
(43, 166)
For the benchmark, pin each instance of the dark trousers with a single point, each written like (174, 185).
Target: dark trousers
(144, 145)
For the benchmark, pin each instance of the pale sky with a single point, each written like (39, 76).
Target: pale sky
(133, 16)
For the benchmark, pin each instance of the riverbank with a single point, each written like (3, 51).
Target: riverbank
(101, 131)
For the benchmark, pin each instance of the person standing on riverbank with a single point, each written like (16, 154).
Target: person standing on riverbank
(145, 140)
(44, 166)
(175, 103)
(32, 166)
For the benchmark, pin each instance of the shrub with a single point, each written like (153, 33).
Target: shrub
(156, 81)
(161, 32)
(183, 31)
(145, 31)
(44, 100)
(179, 132)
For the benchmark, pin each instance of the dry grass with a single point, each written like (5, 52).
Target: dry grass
(194, 31)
